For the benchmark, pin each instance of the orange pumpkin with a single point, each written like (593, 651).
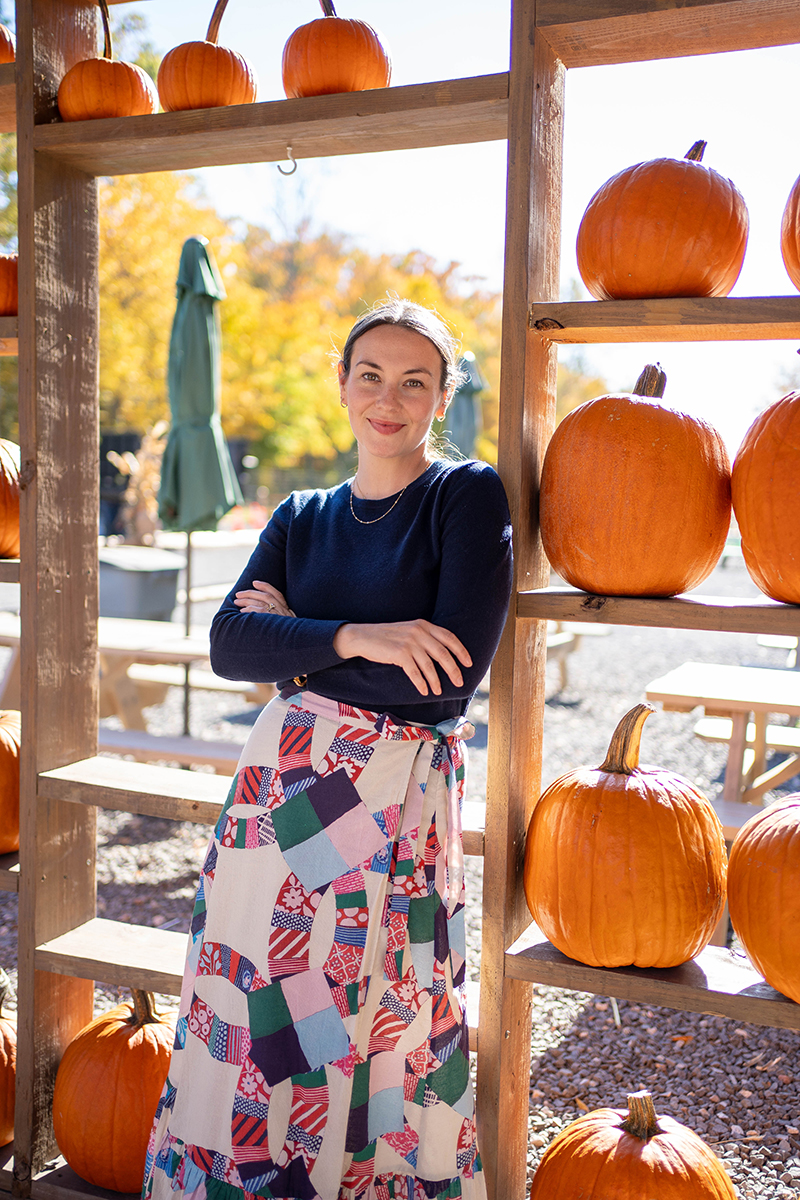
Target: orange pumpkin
(790, 234)
(8, 45)
(610, 1153)
(204, 74)
(107, 1090)
(635, 496)
(8, 1066)
(670, 227)
(10, 734)
(766, 499)
(334, 54)
(764, 893)
(625, 865)
(103, 87)
(9, 286)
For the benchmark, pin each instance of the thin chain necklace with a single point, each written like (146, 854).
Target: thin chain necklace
(374, 520)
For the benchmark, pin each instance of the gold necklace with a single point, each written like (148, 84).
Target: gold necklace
(375, 520)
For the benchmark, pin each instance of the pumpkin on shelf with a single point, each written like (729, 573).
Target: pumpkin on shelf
(635, 495)
(107, 1088)
(8, 45)
(205, 74)
(625, 864)
(613, 1153)
(8, 1066)
(790, 234)
(766, 499)
(9, 285)
(334, 54)
(10, 733)
(670, 227)
(9, 499)
(105, 87)
(764, 893)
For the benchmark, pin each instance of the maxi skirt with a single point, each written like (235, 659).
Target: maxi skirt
(321, 1048)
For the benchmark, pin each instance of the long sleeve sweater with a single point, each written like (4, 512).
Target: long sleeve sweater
(443, 553)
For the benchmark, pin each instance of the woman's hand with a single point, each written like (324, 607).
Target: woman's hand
(414, 646)
(264, 598)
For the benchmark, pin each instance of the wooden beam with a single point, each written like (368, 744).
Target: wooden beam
(680, 319)
(113, 952)
(8, 98)
(452, 112)
(588, 33)
(717, 982)
(9, 872)
(9, 570)
(718, 613)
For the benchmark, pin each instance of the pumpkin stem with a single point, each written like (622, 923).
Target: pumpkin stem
(327, 8)
(106, 29)
(144, 1009)
(641, 1120)
(216, 19)
(623, 751)
(696, 152)
(651, 382)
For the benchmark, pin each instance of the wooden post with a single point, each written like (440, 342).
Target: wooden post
(58, 333)
(527, 417)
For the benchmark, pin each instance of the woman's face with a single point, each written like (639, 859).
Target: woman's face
(393, 391)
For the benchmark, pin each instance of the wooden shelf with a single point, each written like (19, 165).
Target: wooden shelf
(9, 343)
(9, 570)
(123, 955)
(452, 112)
(717, 613)
(716, 982)
(8, 98)
(9, 872)
(680, 319)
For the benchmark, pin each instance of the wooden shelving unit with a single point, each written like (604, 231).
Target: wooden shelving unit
(63, 945)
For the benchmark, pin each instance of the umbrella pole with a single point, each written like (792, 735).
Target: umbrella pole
(187, 626)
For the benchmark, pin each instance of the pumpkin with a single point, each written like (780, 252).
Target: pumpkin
(611, 1154)
(764, 893)
(9, 287)
(9, 499)
(107, 1089)
(766, 499)
(10, 734)
(625, 864)
(635, 496)
(103, 87)
(8, 1066)
(334, 54)
(670, 227)
(8, 45)
(790, 234)
(205, 74)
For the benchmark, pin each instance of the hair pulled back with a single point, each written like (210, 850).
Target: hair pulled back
(425, 321)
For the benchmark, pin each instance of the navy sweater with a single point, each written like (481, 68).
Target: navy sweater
(443, 553)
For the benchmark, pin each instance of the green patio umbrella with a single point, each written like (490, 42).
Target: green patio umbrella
(198, 482)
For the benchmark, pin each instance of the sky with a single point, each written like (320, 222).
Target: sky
(450, 201)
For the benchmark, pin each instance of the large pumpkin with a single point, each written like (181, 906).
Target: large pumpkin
(8, 45)
(790, 234)
(635, 496)
(765, 489)
(334, 54)
(9, 287)
(625, 864)
(8, 1067)
(10, 735)
(107, 1090)
(611, 1154)
(764, 893)
(205, 74)
(670, 227)
(104, 87)
(9, 499)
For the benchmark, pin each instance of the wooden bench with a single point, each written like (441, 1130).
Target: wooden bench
(188, 751)
(153, 679)
(564, 638)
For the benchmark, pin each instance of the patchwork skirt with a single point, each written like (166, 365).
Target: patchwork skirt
(321, 1048)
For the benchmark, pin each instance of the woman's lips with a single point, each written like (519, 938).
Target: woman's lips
(385, 426)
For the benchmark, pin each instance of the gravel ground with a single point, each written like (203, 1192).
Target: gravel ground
(736, 1085)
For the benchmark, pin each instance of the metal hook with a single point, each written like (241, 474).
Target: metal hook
(292, 160)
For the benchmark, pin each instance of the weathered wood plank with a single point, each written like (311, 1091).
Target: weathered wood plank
(452, 112)
(717, 982)
(9, 570)
(718, 613)
(587, 33)
(112, 952)
(9, 872)
(8, 98)
(679, 319)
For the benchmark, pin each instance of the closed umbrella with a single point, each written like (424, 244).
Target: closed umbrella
(198, 482)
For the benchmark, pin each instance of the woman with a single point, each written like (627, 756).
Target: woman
(322, 1047)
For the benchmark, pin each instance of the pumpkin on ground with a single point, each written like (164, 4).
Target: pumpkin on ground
(611, 1154)
(105, 87)
(107, 1089)
(9, 287)
(8, 45)
(670, 227)
(9, 499)
(625, 864)
(8, 1067)
(764, 893)
(10, 735)
(635, 496)
(790, 234)
(766, 499)
(205, 74)
(334, 54)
